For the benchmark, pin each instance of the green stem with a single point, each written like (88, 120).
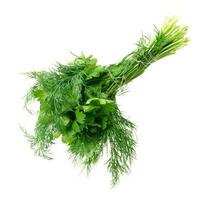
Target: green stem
(167, 41)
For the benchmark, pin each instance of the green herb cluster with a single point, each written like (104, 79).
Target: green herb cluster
(78, 102)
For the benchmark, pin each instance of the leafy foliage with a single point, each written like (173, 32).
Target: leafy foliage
(77, 103)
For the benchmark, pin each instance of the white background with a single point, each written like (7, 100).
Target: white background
(167, 102)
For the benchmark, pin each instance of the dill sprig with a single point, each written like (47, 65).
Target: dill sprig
(77, 102)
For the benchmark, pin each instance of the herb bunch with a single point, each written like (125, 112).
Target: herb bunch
(77, 102)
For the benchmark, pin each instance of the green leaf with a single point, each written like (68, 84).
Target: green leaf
(108, 108)
(40, 94)
(72, 101)
(75, 127)
(69, 137)
(100, 101)
(56, 134)
(93, 62)
(80, 116)
(65, 107)
(93, 71)
(94, 90)
(88, 108)
(65, 120)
